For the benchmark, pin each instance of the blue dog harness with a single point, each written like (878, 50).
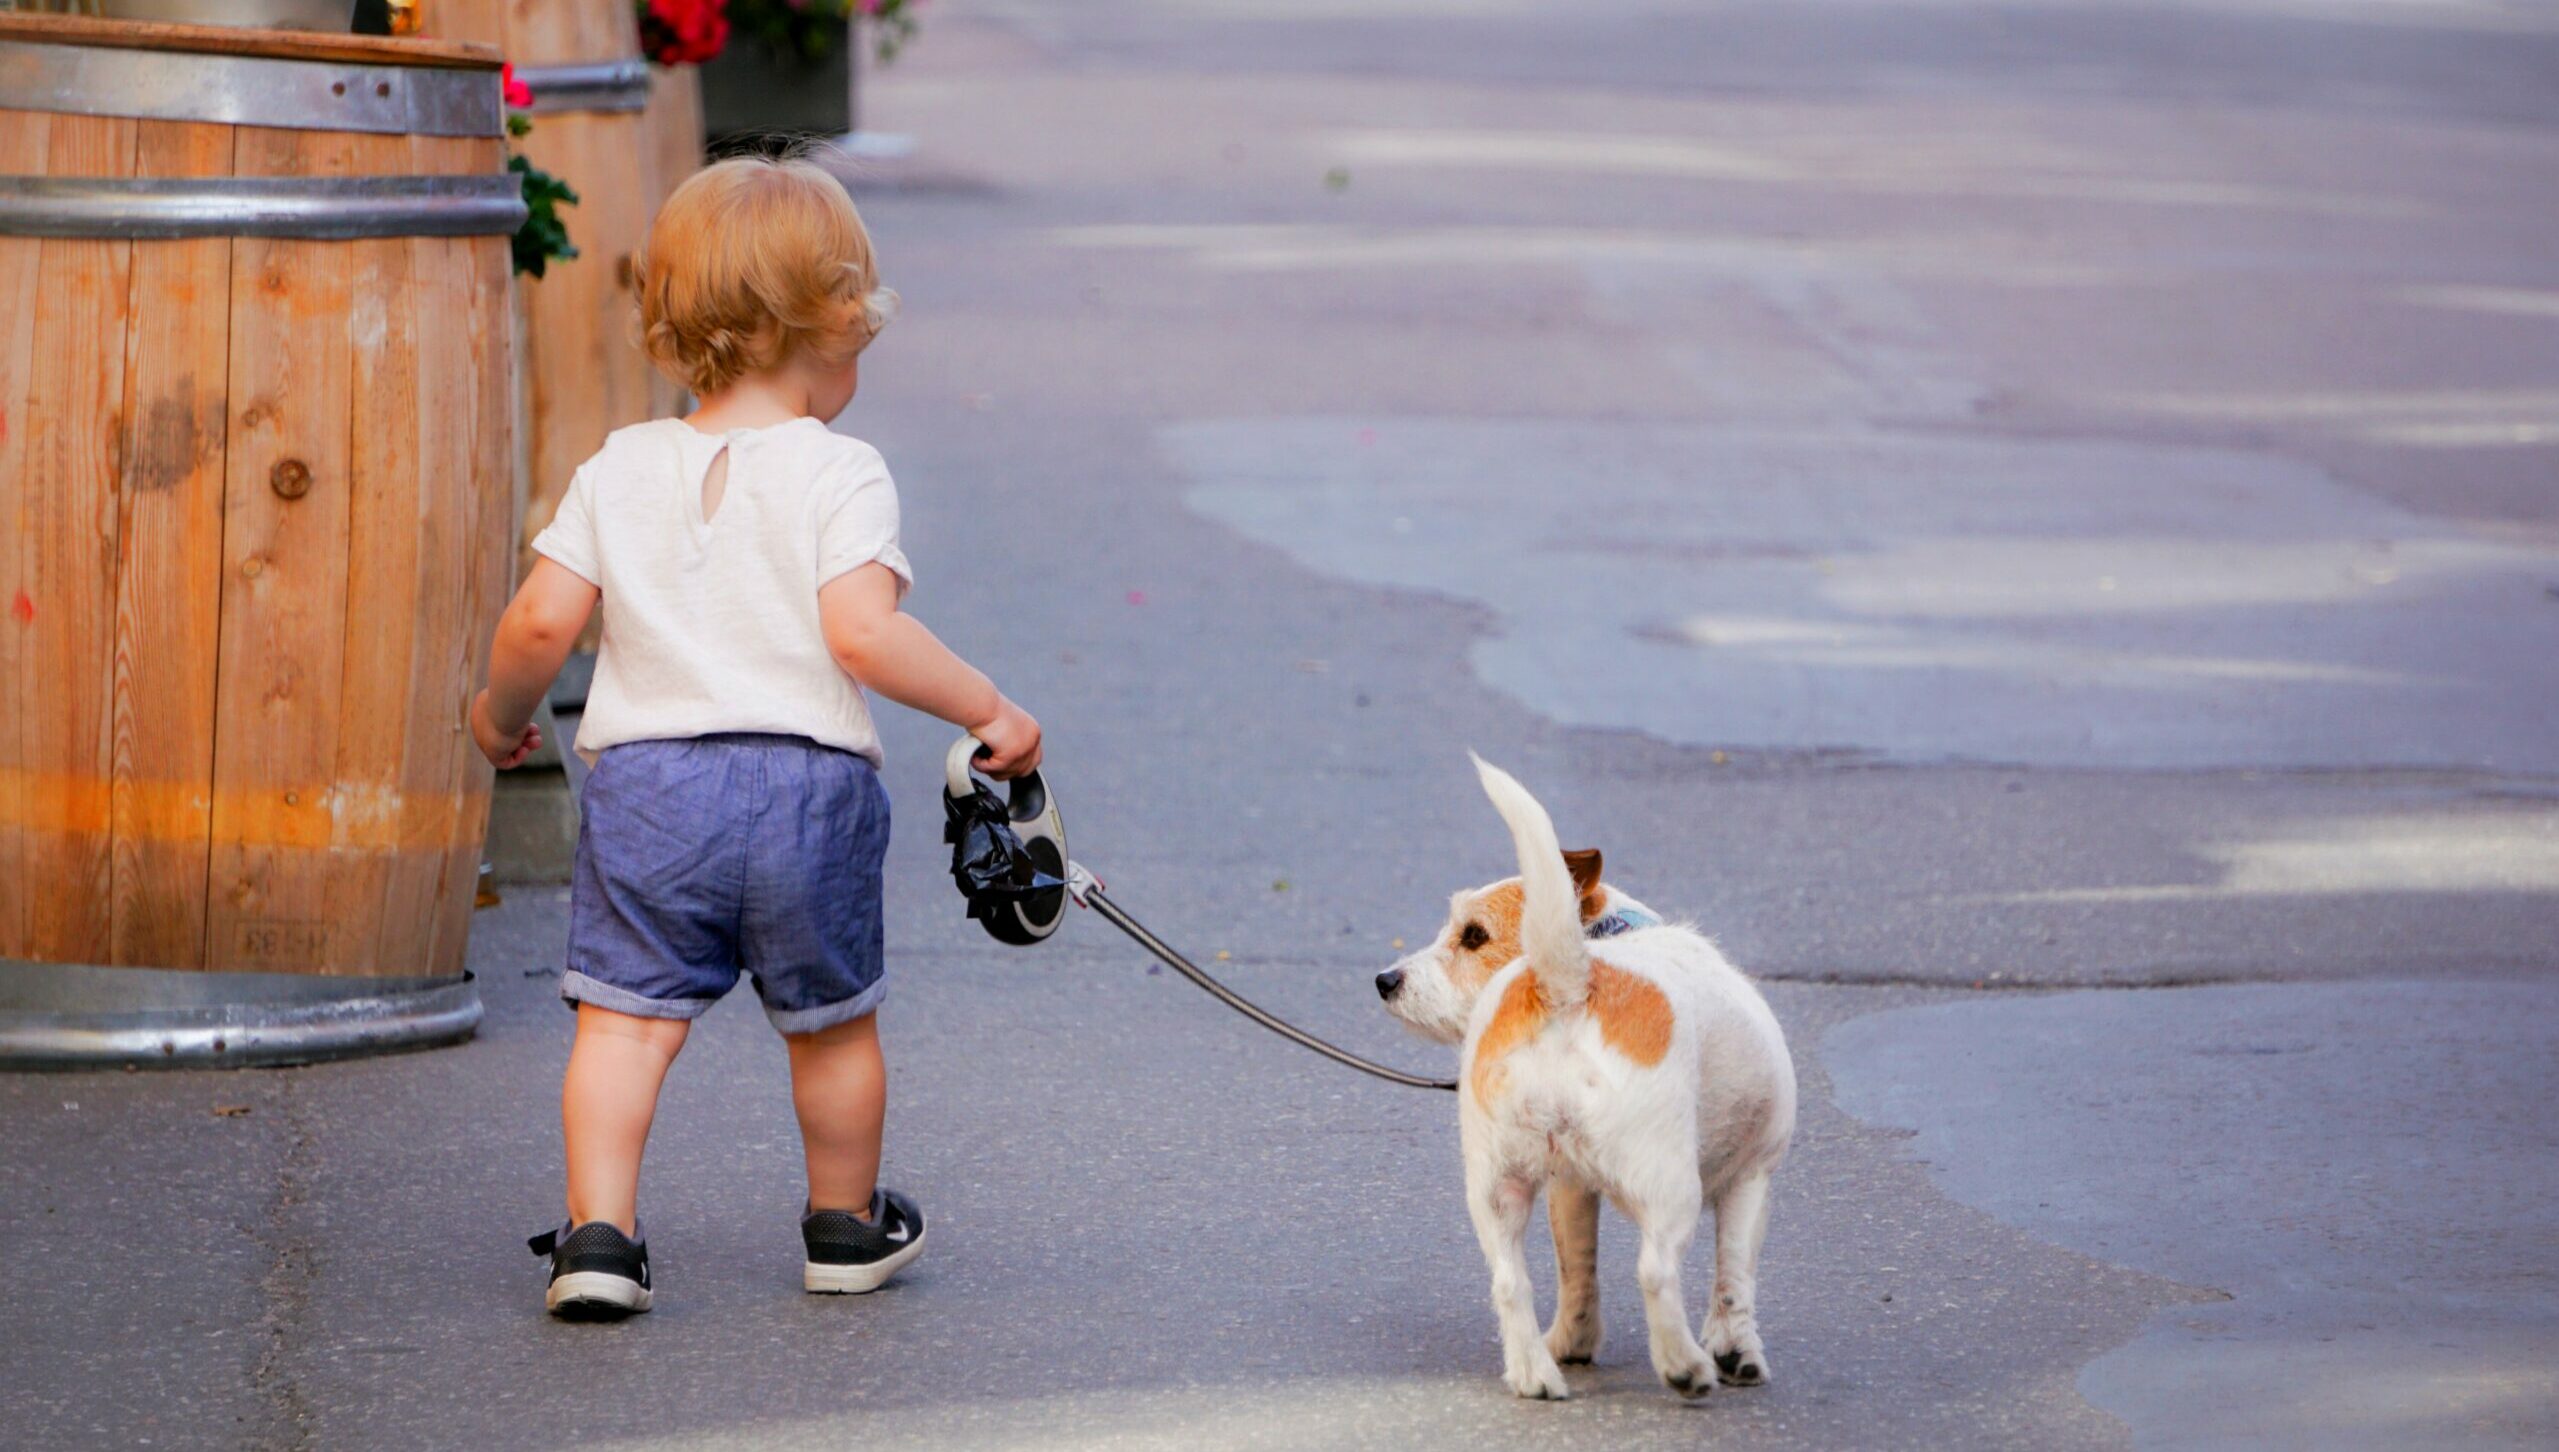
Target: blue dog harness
(1621, 920)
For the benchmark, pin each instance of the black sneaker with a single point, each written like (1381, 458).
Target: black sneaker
(848, 1257)
(597, 1272)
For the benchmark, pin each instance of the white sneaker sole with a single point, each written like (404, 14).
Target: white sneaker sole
(857, 1280)
(597, 1290)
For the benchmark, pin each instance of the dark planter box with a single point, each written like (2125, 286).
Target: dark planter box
(753, 99)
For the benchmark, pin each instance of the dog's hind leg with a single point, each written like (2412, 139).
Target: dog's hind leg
(1572, 1212)
(1499, 1203)
(1669, 1226)
(1731, 1331)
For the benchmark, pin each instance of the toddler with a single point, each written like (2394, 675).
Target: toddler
(747, 561)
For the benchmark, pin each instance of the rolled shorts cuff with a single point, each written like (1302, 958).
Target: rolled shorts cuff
(576, 987)
(827, 1016)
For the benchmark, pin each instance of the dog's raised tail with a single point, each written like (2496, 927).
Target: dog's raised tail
(1550, 916)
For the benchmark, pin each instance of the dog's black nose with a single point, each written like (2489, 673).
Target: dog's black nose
(1389, 981)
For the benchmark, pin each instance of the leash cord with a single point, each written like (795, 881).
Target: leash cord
(1092, 896)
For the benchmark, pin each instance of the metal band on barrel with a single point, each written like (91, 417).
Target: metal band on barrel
(593, 86)
(57, 1016)
(334, 208)
(301, 95)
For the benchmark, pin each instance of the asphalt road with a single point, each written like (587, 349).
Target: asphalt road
(2032, 522)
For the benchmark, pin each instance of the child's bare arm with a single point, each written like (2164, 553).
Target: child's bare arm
(534, 637)
(892, 653)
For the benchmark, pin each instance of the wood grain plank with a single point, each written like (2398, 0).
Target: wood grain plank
(496, 520)
(489, 514)
(556, 32)
(467, 388)
(283, 582)
(484, 21)
(386, 515)
(616, 28)
(242, 40)
(25, 137)
(75, 426)
(168, 593)
(674, 124)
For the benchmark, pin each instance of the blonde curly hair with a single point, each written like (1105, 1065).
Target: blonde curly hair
(751, 262)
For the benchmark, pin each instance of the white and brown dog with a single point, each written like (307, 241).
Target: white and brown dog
(1606, 1053)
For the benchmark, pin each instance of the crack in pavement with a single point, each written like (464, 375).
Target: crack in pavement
(287, 1284)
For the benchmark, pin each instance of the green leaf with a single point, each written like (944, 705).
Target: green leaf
(543, 236)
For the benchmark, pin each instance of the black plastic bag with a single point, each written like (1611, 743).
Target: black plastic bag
(987, 860)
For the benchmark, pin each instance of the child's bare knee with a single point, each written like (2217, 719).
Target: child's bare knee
(852, 1031)
(663, 1034)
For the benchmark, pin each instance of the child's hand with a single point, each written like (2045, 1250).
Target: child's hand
(504, 751)
(1012, 741)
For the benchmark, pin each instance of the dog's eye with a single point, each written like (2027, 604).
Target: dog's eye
(1474, 937)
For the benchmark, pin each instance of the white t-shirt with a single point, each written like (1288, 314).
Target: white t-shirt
(711, 625)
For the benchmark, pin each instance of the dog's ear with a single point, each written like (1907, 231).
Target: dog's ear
(1583, 863)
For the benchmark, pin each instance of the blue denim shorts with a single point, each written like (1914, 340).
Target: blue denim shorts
(702, 858)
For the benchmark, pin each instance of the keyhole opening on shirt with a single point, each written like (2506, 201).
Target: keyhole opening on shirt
(715, 485)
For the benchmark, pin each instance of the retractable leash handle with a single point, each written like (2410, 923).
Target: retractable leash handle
(1030, 811)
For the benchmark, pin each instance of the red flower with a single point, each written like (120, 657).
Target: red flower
(518, 94)
(683, 32)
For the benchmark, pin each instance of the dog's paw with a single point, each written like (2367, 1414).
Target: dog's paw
(1740, 1367)
(1738, 1358)
(1692, 1381)
(1574, 1342)
(1538, 1379)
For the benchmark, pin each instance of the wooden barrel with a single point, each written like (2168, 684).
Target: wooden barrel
(674, 124)
(584, 374)
(255, 524)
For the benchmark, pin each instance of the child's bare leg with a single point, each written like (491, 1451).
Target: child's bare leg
(610, 1095)
(839, 1084)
